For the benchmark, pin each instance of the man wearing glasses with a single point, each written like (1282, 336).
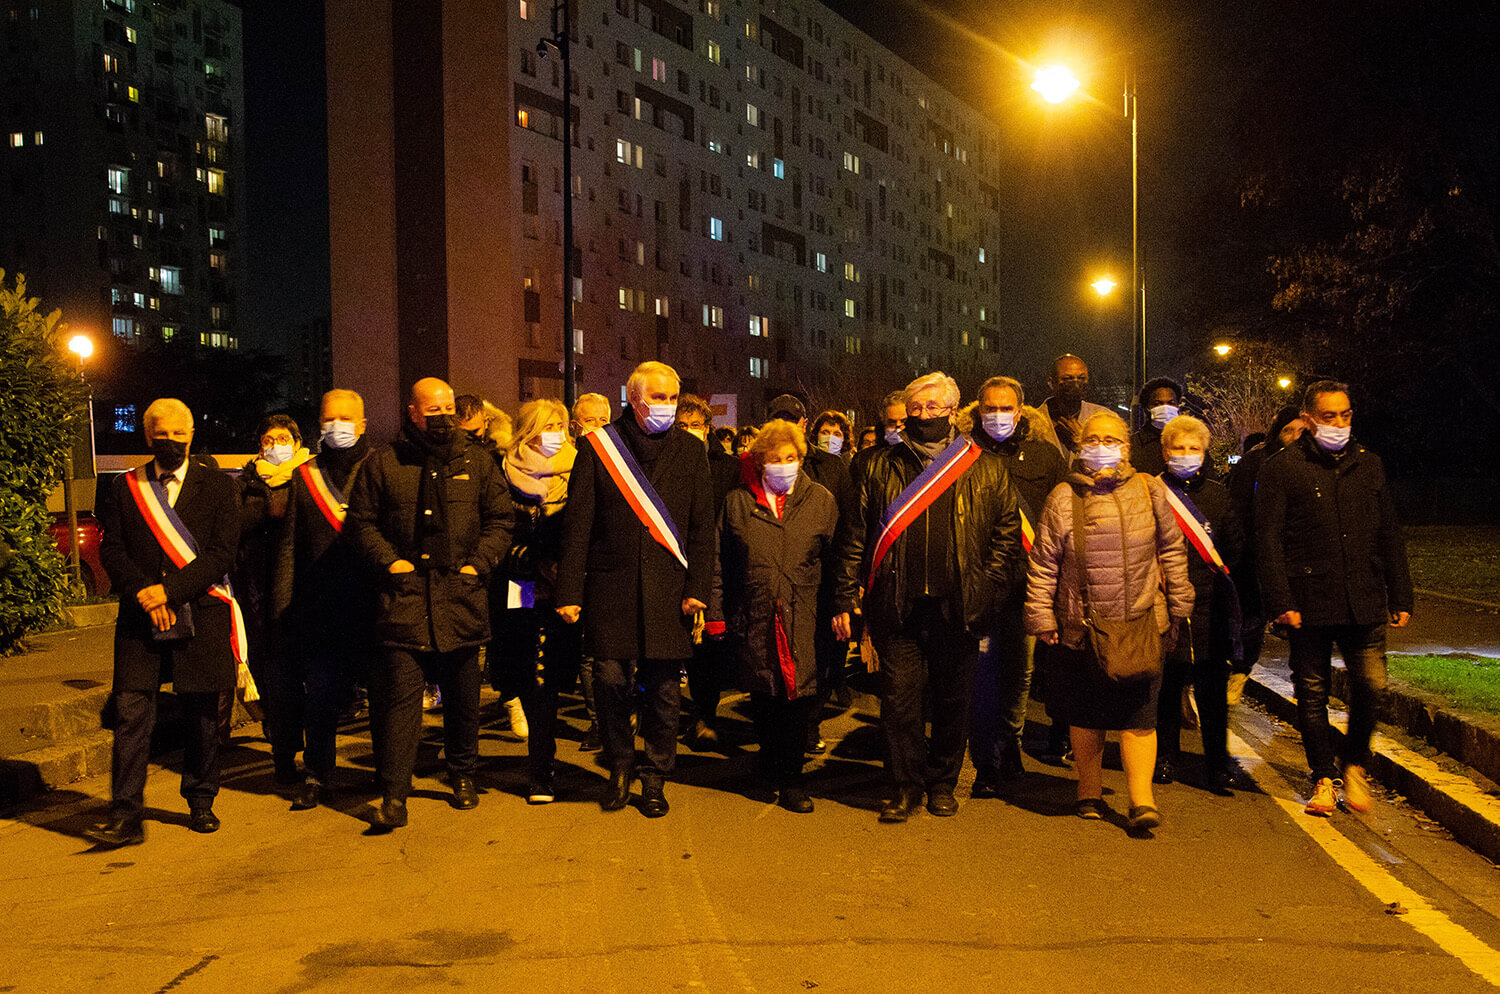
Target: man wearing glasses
(934, 543)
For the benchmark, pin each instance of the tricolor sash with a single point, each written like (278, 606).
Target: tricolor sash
(1028, 533)
(918, 496)
(324, 494)
(1195, 527)
(177, 542)
(637, 490)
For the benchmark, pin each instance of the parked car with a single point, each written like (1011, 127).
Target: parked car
(95, 581)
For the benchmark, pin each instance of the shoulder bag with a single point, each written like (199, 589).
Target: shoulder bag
(1126, 649)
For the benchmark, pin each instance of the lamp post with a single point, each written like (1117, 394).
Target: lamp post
(83, 347)
(560, 41)
(1056, 84)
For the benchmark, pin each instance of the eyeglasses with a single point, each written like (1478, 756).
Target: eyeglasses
(283, 439)
(928, 410)
(1102, 440)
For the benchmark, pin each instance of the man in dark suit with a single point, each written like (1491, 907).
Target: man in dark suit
(431, 515)
(636, 599)
(172, 626)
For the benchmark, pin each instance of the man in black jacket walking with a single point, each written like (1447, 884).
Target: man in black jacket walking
(1332, 571)
(933, 575)
(431, 515)
(636, 566)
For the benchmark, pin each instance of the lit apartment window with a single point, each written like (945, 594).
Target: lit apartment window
(17, 139)
(216, 181)
(713, 317)
(111, 63)
(523, 117)
(752, 159)
(125, 417)
(663, 306)
(659, 70)
(981, 313)
(716, 229)
(171, 280)
(760, 326)
(216, 236)
(715, 53)
(778, 169)
(848, 307)
(627, 299)
(37, 138)
(821, 261)
(525, 10)
(124, 329)
(218, 262)
(168, 332)
(138, 299)
(635, 59)
(850, 273)
(757, 367)
(130, 32)
(981, 255)
(715, 146)
(752, 115)
(118, 206)
(851, 162)
(133, 94)
(216, 128)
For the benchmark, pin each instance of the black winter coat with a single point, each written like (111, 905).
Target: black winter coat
(1327, 538)
(436, 610)
(209, 506)
(768, 563)
(1034, 465)
(630, 588)
(985, 538)
(1216, 608)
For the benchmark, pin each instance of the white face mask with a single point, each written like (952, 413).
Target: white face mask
(550, 442)
(1097, 457)
(660, 417)
(1332, 438)
(893, 436)
(1183, 467)
(778, 477)
(999, 425)
(339, 434)
(276, 454)
(832, 444)
(1161, 414)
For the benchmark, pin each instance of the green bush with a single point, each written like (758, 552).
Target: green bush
(43, 403)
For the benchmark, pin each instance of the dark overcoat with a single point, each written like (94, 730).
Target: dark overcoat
(209, 507)
(769, 564)
(1327, 539)
(630, 588)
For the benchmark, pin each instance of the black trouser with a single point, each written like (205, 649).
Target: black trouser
(929, 651)
(1363, 650)
(831, 654)
(135, 718)
(781, 730)
(614, 699)
(1208, 671)
(558, 648)
(282, 699)
(325, 679)
(707, 678)
(396, 706)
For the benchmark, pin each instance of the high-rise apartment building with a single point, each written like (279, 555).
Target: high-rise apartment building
(764, 197)
(121, 169)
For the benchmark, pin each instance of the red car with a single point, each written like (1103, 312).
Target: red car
(95, 581)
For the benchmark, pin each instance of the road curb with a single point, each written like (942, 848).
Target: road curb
(1456, 801)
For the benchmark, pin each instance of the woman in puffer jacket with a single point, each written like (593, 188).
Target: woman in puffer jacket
(1134, 549)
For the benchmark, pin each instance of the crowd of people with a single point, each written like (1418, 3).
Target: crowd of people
(969, 556)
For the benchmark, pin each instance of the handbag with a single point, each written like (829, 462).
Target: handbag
(1126, 649)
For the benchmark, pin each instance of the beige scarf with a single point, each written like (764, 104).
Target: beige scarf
(540, 478)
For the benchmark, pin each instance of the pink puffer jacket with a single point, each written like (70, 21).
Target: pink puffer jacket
(1119, 511)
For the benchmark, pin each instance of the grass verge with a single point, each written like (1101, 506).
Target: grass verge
(1471, 683)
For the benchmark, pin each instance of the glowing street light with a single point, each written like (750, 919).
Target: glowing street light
(1223, 349)
(1103, 285)
(82, 346)
(1285, 383)
(1055, 84)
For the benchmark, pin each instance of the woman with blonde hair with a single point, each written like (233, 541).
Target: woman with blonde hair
(534, 655)
(1108, 552)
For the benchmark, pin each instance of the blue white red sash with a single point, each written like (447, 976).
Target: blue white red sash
(918, 496)
(324, 494)
(637, 490)
(177, 542)
(1195, 527)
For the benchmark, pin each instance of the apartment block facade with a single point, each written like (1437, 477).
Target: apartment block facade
(763, 197)
(122, 167)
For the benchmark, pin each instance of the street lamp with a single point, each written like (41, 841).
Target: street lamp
(1284, 382)
(559, 41)
(81, 346)
(1223, 349)
(1103, 286)
(1056, 84)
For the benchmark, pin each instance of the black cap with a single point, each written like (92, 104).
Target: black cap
(787, 408)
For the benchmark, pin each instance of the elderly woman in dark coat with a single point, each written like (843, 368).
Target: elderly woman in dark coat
(775, 533)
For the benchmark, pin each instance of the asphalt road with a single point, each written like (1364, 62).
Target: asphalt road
(731, 893)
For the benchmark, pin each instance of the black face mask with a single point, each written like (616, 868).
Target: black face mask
(476, 436)
(1070, 395)
(439, 428)
(169, 452)
(928, 430)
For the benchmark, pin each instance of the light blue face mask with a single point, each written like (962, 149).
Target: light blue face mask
(999, 425)
(893, 436)
(660, 417)
(339, 434)
(1183, 467)
(276, 454)
(832, 444)
(1331, 438)
(1097, 457)
(550, 442)
(1161, 414)
(778, 477)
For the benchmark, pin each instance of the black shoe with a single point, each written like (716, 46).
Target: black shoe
(465, 794)
(795, 799)
(653, 800)
(1011, 767)
(203, 821)
(617, 794)
(986, 784)
(1221, 783)
(541, 791)
(1163, 772)
(119, 831)
(941, 802)
(900, 807)
(703, 738)
(392, 814)
(591, 741)
(305, 797)
(815, 744)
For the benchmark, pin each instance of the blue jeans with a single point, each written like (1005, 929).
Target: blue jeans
(1002, 681)
(1363, 650)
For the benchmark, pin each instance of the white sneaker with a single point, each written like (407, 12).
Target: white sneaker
(518, 726)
